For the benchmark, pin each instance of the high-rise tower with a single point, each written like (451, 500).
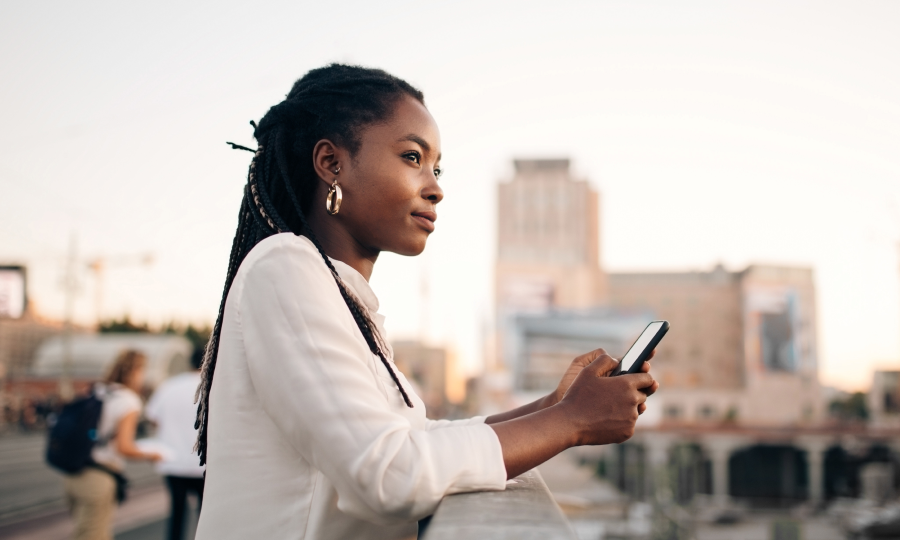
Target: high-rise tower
(548, 245)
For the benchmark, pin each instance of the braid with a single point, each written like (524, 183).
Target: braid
(262, 206)
(333, 102)
(208, 366)
(261, 219)
(267, 202)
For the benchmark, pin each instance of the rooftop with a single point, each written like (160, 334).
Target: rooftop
(533, 166)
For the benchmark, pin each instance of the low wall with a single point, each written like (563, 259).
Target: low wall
(525, 510)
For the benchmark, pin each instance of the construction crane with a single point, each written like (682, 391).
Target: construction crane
(71, 287)
(100, 265)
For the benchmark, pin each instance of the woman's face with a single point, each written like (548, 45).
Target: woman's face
(136, 379)
(390, 187)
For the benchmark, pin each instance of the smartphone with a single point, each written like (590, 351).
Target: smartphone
(642, 348)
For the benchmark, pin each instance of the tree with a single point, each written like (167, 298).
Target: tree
(851, 408)
(125, 325)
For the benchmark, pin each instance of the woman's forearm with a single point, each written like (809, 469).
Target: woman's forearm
(532, 439)
(125, 439)
(521, 411)
(133, 452)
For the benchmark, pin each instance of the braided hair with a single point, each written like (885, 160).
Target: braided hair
(333, 102)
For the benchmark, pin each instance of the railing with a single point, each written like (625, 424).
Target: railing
(525, 510)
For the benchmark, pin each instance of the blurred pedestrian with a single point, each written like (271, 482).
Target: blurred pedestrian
(172, 409)
(93, 492)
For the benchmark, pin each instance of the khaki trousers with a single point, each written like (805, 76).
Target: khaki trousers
(91, 496)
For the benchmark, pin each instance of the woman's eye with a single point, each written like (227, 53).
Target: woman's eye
(413, 157)
(438, 172)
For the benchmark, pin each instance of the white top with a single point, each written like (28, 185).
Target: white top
(308, 435)
(173, 410)
(118, 401)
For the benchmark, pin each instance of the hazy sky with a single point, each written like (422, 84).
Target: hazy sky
(716, 131)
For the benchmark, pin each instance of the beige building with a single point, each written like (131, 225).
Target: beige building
(427, 368)
(884, 399)
(548, 261)
(548, 245)
(742, 346)
(19, 340)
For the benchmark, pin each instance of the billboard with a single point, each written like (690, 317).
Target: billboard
(774, 328)
(12, 292)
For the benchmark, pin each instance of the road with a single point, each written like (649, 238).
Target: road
(28, 486)
(31, 496)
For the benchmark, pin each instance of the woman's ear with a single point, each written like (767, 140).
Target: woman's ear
(326, 160)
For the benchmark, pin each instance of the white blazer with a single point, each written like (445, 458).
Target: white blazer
(308, 435)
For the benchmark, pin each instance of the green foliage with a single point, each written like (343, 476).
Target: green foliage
(198, 335)
(731, 416)
(125, 325)
(852, 408)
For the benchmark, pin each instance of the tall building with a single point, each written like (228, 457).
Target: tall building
(548, 245)
(427, 368)
(549, 282)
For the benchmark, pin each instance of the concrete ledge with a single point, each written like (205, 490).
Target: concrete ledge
(525, 510)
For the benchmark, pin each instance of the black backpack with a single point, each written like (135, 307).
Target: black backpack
(73, 436)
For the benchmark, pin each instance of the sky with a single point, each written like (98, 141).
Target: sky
(732, 132)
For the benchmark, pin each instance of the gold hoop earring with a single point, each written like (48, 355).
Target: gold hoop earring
(333, 200)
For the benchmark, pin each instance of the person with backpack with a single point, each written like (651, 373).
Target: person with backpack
(92, 492)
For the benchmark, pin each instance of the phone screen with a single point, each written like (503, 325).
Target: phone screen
(640, 344)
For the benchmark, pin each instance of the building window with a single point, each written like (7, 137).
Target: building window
(707, 412)
(777, 342)
(672, 411)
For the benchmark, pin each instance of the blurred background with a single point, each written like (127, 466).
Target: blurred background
(730, 167)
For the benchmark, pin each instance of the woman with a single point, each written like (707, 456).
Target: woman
(92, 493)
(306, 425)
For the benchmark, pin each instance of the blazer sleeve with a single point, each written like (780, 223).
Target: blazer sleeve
(315, 378)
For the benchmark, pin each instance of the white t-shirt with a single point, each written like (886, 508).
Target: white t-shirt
(118, 401)
(172, 409)
(308, 435)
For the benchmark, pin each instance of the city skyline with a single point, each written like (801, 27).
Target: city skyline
(737, 134)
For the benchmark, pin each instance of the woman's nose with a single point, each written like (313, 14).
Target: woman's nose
(433, 192)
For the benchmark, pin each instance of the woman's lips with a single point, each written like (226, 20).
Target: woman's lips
(425, 219)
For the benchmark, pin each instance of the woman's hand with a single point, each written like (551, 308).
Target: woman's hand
(604, 409)
(578, 365)
(572, 372)
(595, 409)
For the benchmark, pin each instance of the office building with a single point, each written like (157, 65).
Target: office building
(742, 345)
(548, 247)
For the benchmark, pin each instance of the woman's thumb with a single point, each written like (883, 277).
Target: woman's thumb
(604, 365)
